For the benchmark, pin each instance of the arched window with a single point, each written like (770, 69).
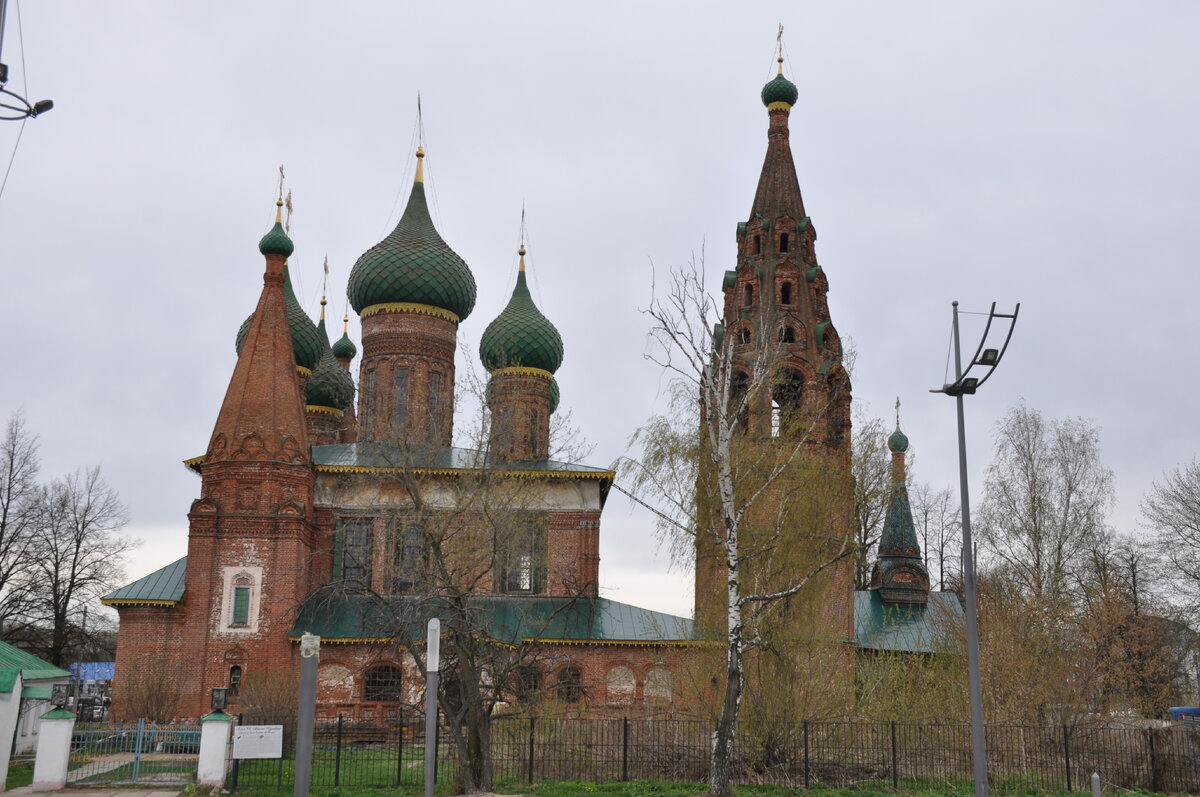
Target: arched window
(748, 295)
(744, 335)
(757, 248)
(787, 401)
(738, 402)
(382, 684)
(400, 412)
(787, 334)
(235, 680)
(570, 685)
(783, 242)
(785, 293)
(528, 683)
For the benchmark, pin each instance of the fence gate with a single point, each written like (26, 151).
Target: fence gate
(129, 753)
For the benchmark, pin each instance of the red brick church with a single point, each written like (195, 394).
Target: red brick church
(349, 514)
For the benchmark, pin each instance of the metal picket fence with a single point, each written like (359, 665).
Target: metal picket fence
(140, 752)
(807, 755)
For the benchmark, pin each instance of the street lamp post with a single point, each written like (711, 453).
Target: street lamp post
(962, 385)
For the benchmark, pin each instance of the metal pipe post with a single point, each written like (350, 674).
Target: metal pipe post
(432, 657)
(310, 656)
(978, 745)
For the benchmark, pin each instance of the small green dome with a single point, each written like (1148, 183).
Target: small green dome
(898, 442)
(554, 395)
(330, 385)
(344, 349)
(276, 242)
(780, 90)
(521, 335)
(413, 264)
(306, 343)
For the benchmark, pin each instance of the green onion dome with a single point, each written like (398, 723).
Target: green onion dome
(521, 336)
(344, 349)
(898, 442)
(780, 89)
(330, 385)
(306, 343)
(413, 264)
(276, 241)
(554, 395)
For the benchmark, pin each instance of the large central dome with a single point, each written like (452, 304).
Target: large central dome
(413, 265)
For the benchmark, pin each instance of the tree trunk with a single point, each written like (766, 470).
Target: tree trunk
(722, 745)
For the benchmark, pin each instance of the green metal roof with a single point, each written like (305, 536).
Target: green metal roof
(306, 345)
(372, 455)
(780, 90)
(365, 617)
(163, 587)
(330, 384)
(8, 679)
(36, 692)
(413, 264)
(32, 668)
(909, 629)
(521, 335)
(276, 242)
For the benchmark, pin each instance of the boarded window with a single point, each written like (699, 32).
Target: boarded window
(659, 685)
(408, 559)
(620, 686)
(357, 549)
(400, 401)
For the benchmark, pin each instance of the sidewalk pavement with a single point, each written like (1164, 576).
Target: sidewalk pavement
(28, 790)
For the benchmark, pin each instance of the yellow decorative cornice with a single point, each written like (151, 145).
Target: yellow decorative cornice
(409, 307)
(779, 105)
(194, 462)
(520, 370)
(319, 410)
(137, 602)
(631, 643)
(300, 369)
(350, 640)
(508, 474)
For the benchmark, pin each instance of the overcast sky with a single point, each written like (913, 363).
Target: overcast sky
(1037, 152)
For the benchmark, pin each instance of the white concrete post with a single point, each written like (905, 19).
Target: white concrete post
(214, 749)
(53, 750)
(10, 712)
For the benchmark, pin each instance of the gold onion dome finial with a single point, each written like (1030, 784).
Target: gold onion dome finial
(420, 178)
(521, 335)
(276, 241)
(780, 93)
(413, 264)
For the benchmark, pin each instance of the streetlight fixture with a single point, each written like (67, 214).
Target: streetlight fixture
(12, 105)
(964, 385)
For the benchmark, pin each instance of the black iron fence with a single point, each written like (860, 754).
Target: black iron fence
(810, 754)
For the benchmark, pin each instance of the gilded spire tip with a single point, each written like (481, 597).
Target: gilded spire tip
(420, 178)
(521, 252)
(279, 211)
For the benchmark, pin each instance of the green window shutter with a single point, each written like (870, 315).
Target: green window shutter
(337, 552)
(241, 605)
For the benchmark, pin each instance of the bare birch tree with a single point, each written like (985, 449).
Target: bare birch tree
(19, 467)
(720, 487)
(1171, 508)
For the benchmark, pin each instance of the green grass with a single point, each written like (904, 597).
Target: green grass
(20, 773)
(649, 788)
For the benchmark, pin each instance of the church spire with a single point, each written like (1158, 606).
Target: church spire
(899, 574)
(778, 191)
(262, 417)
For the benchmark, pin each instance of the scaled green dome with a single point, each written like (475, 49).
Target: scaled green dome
(521, 335)
(330, 385)
(780, 90)
(554, 394)
(276, 242)
(898, 442)
(344, 348)
(413, 264)
(306, 343)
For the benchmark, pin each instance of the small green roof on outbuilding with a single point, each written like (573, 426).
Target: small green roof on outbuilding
(931, 628)
(163, 587)
(32, 668)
